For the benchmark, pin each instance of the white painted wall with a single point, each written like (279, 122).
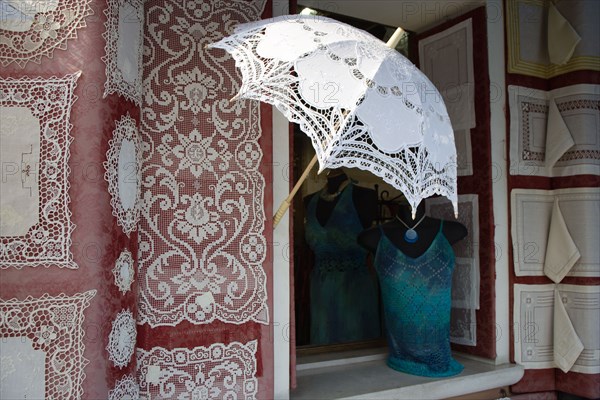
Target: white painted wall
(281, 239)
(415, 16)
(495, 36)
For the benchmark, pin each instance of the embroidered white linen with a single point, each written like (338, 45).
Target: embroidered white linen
(124, 38)
(562, 37)
(49, 330)
(540, 136)
(543, 331)
(558, 136)
(561, 251)
(531, 220)
(567, 345)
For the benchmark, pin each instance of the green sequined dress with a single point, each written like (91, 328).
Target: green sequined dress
(344, 302)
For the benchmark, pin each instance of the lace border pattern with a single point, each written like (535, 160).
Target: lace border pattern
(125, 388)
(48, 242)
(219, 371)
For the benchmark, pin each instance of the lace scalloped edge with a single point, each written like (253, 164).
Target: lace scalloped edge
(111, 177)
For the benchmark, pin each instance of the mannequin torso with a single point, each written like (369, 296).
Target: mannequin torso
(364, 199)
(416, 280)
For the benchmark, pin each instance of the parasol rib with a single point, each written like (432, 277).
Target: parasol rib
(285, 204)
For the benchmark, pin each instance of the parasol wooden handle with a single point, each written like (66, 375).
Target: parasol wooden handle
(285, 204)
(396, 36)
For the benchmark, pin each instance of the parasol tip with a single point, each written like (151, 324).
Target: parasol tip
(414, 214)
(234, 98)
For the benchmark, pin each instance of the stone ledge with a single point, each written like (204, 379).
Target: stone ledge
(364, 375)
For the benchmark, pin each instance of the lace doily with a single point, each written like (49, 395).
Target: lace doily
(201, 241)
(47, 102)
(123, 173)
(54, 325)
(123, 271)
(125, 389)
(30, 30)
(362, 104)
(123, 59)
(216, 372)
(121, 340)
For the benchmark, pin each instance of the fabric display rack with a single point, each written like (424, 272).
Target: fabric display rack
(553, 123)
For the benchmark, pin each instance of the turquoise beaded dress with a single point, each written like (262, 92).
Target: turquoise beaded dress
(344, 303)
(416, 296)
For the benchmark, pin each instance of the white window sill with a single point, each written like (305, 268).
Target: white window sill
(364, 375)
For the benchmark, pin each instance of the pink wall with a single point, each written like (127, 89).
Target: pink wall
(97, 240)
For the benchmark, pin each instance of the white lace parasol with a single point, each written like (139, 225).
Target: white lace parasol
(362, 103)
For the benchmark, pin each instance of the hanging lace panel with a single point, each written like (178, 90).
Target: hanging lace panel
(123, 173)
(465, 279)
(201, 241)
(30, 30)
(36, 222)
(123, 59)
(216, 372)
(42, 345)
